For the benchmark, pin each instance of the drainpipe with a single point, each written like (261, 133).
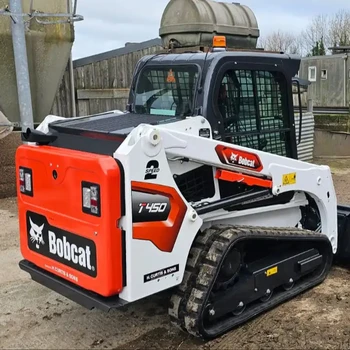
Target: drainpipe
(21, 64)
(71, 69)
(346, 79)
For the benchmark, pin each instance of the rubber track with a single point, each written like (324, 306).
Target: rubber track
(205, 258)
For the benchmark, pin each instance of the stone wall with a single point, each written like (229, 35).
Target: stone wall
(337, 123)
(8, 147)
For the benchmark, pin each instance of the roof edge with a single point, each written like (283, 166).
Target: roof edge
(117, 52)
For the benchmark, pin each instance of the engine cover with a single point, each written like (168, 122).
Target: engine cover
(70, 204)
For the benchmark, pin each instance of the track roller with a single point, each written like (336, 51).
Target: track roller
(234, 274)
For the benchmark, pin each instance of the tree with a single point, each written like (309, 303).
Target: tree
(339, 30)
(322, 32)
(322, 51)
(281, 42)
(316, 36)
(319, 49)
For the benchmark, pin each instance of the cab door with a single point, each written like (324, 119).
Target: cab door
(251, 105)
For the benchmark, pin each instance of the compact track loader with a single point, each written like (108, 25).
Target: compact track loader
(196, 188)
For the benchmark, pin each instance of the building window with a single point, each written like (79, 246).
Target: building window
(324, 74)
(312, 73)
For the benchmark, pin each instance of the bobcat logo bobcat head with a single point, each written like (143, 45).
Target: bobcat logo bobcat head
(36, 233)
(233, 158)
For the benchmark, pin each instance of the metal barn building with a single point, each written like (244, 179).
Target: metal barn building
(330, 79)
(101, 82)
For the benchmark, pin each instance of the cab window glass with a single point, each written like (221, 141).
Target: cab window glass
(166, 91)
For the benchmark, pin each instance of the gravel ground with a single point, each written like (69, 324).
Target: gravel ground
(32, 316)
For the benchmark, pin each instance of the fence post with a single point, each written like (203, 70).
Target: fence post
(310, 105)
(348, 124)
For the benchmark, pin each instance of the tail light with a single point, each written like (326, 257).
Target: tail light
(26, 181)
(91, 198)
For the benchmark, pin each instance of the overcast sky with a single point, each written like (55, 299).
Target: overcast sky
(109, 24)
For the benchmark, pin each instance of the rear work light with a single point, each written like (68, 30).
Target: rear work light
(26, 181)
(91, 198)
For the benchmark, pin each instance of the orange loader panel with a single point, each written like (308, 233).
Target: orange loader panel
(70, 204)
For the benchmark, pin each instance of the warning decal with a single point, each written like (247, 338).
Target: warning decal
(272, 271)
(171, 77)
(160, 273)
(289, 179)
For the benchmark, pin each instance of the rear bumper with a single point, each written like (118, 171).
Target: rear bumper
(76, 294)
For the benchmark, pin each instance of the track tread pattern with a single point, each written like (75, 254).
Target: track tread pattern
(202, 268)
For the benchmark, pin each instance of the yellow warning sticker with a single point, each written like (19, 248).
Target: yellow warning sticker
(289, 179)
(272, 271)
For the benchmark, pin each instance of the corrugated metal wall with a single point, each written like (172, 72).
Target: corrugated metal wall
(306, 147)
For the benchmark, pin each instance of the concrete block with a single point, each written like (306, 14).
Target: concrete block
(11, 141)
(331, 144)
(7, 157)
(7, 174)
(8, 190)
(8, 147)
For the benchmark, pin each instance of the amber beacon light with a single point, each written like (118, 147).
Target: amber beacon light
(219, 41)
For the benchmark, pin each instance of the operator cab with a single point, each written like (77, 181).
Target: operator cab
(246, 96)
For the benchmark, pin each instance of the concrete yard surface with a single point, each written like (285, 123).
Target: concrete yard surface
(33, 317)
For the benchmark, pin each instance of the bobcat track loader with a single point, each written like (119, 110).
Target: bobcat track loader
(198, 188)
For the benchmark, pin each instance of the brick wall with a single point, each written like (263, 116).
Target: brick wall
(8, 147)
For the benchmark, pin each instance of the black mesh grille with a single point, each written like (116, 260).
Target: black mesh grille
(114, 122)
(197, 184)
(254, 111)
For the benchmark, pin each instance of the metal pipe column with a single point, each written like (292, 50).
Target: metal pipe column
(72, 9)
(346, 57)
(21, 64)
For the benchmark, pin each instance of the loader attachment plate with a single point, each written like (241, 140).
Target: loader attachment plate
(343, 253)
(71, 291)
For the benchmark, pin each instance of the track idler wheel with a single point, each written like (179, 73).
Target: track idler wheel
(240, 309)
(289, 286)
(230, 270)
(267, 296)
